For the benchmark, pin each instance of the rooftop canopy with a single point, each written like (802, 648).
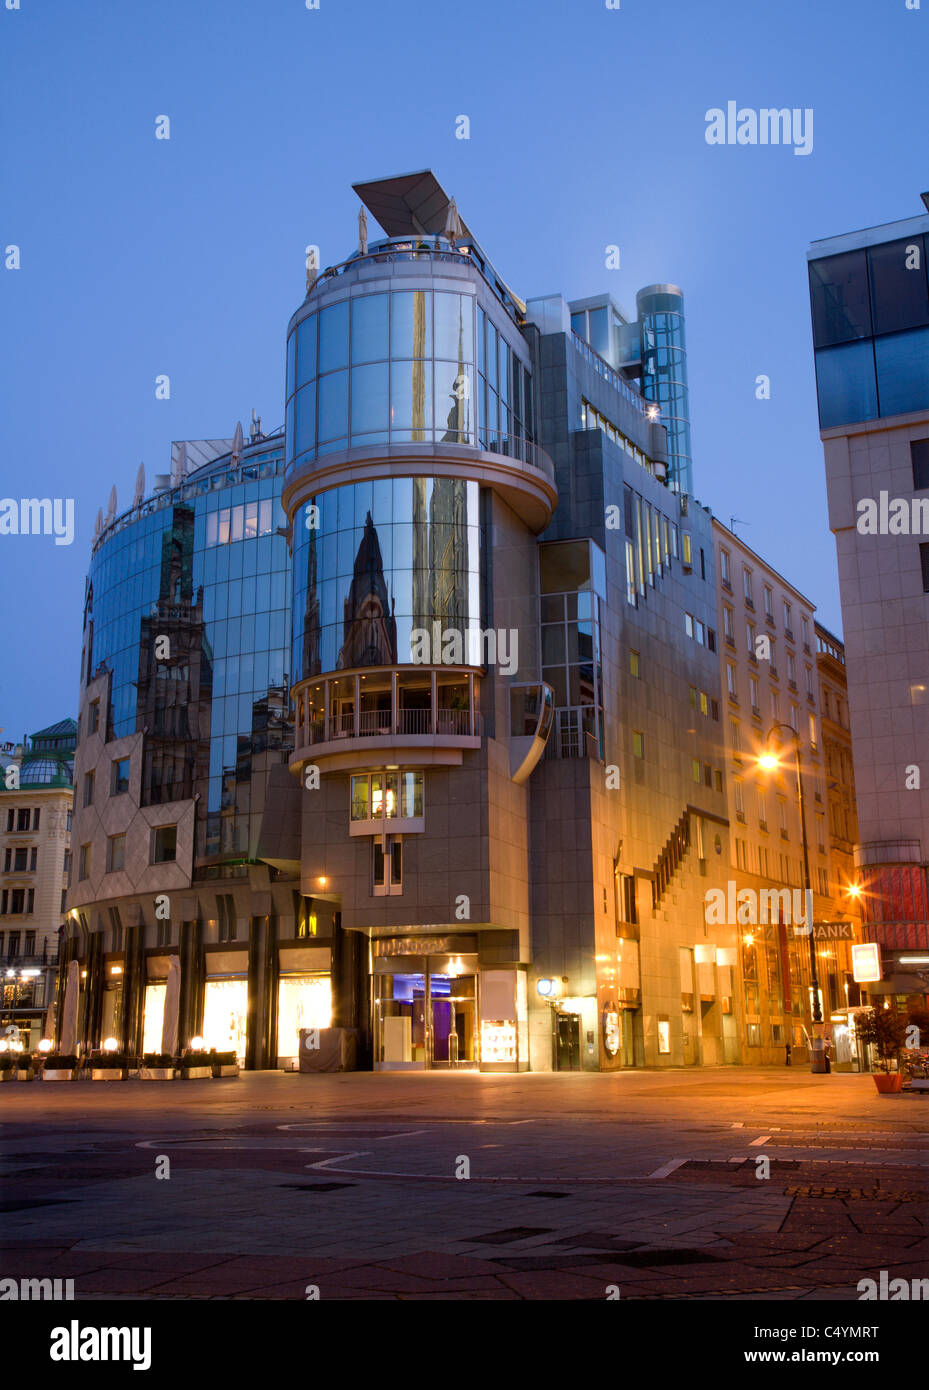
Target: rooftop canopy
(408, 204)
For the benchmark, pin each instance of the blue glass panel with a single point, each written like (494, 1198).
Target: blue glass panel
(370, 397)
(333, 337)
(454, 412)
(903, 372)
(411, 401)
(291, 365)
(306, 350)
(411, 323)
(333, 406)
(306, 418)
(369, 328)
(453, 326)
(846, 384)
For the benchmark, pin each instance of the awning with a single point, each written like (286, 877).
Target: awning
(408, 204)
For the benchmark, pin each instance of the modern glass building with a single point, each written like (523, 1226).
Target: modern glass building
(388, 724)
(869, 297)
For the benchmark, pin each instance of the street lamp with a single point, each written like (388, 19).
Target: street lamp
(769, 760)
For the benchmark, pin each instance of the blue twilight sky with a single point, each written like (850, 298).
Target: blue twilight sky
(142, 256)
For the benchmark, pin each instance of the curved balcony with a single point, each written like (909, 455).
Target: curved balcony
(517, 469)
(425, 715)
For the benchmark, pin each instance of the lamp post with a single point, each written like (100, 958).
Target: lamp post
(819, 1061)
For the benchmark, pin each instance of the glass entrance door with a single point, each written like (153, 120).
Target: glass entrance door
(452, 1005)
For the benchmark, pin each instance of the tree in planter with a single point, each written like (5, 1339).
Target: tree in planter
(885, 1031)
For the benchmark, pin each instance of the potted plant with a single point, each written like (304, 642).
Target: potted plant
(157, 1066)
(7, 1068)
(885, 1031)
(60, 1066)
(25, 1069)
(194, 1066)
(110, 1066)
(224, 1063)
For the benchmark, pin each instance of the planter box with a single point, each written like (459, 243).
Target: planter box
(7, 1076)
(222, 1070)
(25, 1075)
(156, 1073)
(108, 1073)
(888, 1082)
(58, 1074)
(195, 1073)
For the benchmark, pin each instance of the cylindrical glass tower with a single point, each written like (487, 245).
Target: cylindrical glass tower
(660, 312)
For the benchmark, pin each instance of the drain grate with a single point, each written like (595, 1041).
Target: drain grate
(512, 1233)
(316, 1186)
(27, 1204)
(553, 1195)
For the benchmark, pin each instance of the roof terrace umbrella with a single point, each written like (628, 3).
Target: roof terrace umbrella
(172, 1006)
(68, 1035)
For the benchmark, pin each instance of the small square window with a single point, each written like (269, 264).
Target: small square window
(164, 844)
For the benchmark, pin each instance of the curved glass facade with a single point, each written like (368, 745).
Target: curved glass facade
(385, 557)
(403, 367)
(664, 376)
(395, 367)
(211, 574)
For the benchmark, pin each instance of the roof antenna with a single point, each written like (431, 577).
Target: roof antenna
(735, 521)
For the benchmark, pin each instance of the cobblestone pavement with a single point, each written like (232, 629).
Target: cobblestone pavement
(740, 1184)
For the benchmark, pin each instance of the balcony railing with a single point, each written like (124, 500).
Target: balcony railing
(459, 723)
(403, 702)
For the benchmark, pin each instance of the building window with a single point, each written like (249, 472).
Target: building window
(919, 457)
(115, 855)
(805, 632)
(924, 562)
(120, 777)
(33, 859)
(753, 694)
(67, 862)
(768, 602)
(687, 550)
(727, 624)
(775, 715)
(689, 622)
(35, 818)
(19, 860)
(68, 819)
(724, 568)
(387, 868)
(792, 670)
(29, 943)
(379, 795)
(739, 799)
(627, 903)
(747, 587)
(12, 948)
(695, 769)
(225, 907)
(164, 844)
(116, 930)
(813, 741)
(638, 744)
(750, 638)
(22, 820)
(93, 717)
(735, 736)
(788, 620)
(83, 869)
(88, 788)
(634, 664)
(762, 809)
(10, 816)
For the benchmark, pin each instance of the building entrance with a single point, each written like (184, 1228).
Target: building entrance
(568, 1042)
(424, 1019)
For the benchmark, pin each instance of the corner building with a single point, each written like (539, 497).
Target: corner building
(433, 751)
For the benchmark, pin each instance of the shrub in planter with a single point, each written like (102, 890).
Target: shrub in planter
(60, 1066)
(157, 1066)
(25, 1070)
(7, 1067)
(224, 1063)
(194, 1066)
(111, 1066)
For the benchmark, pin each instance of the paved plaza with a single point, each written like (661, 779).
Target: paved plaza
(490, 1187)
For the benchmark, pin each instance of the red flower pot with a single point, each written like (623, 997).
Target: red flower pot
(887, 1082)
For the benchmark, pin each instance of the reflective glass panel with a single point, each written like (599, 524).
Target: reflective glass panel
(333, 337)
(369, 328)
